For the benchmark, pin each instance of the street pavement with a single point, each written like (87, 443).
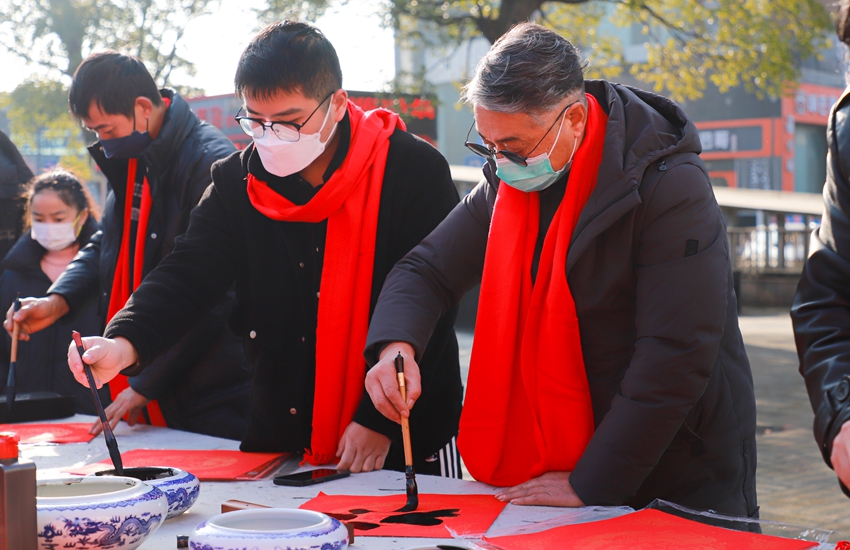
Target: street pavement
(794, 485)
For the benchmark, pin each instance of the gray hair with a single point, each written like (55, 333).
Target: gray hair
(529, 69)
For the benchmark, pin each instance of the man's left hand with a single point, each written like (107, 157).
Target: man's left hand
(550, 489)
(127, 402)
(361, 449)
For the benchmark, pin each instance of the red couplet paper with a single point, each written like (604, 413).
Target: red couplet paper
(645, 530)
(206, 465)
(75, 432)
(436, 514)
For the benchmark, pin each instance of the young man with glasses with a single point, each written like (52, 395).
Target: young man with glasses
(156, 155)
(307, 221)
(607, 367)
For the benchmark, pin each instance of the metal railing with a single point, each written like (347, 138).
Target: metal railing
(767, 250)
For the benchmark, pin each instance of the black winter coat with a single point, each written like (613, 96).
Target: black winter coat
(14, 172)
(649, 271)
(821, 310)
(203, 380)
(43, 360)
(229, 240)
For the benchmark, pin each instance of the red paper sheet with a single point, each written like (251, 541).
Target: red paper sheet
(77, 432)
(645, 530)
(206, 465)
(376, 516)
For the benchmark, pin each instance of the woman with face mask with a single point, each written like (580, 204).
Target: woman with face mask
(60, 219)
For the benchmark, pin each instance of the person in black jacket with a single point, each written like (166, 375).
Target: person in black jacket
(62, 219)
(156, 155)
(613, 369)
(308, 220)
(821, 309)
(14, 173)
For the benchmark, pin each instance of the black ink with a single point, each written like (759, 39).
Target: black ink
(363, 525)
(142, 474)
(359, 525)
(425, 519)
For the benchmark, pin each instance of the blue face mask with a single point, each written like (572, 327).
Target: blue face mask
(538, 174)
(127, 147)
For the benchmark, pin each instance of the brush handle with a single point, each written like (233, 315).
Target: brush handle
(16, 332)
(405, 422)
(11, 384)
(111, 442)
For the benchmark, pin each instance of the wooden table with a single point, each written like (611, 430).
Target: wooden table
(51, 458)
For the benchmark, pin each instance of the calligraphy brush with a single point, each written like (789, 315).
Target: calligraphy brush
(111, 443)
(11, 385)
(409, 474)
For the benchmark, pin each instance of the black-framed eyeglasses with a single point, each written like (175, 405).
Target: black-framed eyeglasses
(285, 131)
(488, 153)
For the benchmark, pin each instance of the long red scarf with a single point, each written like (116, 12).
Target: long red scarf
(527, 409)
(124, 282)
(349, 201)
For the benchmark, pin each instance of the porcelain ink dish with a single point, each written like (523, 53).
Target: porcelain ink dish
(181, 488)
(97, 512)
(270, 529)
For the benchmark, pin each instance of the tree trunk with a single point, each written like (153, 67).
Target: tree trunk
(512, 12)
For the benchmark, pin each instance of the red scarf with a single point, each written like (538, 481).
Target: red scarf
(349, 201)
(527, 409)
(125, 283)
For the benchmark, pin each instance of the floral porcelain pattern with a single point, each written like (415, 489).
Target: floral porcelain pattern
(111, 519)
(182, 490)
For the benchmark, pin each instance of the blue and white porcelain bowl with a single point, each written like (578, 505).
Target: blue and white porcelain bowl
(180, 487)
(270, 529)
(97, 512)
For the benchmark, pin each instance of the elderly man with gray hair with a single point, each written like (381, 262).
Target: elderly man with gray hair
(607, 366)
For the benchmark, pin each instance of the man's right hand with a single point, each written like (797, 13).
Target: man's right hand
(107, 358)
(35, 314)
(382, 382)
(840, 456)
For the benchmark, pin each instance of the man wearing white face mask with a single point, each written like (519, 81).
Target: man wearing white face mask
(607, 367)
(308, 221)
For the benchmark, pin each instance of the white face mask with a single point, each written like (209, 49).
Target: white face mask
(284, 158)
(55, 236)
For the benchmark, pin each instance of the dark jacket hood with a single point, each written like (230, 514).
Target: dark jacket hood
(178, 124)
(26, 255)
(13, 188)
(643, 128)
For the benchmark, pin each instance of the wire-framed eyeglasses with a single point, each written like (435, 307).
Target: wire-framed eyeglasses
(285, 131)
(486, 152)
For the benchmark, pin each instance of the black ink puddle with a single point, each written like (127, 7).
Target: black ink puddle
(424, 519)
(427, 519)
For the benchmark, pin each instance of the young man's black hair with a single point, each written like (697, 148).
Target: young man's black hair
(310, 65)
(113, 81)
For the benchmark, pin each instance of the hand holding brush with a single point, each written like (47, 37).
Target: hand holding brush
(111, 443)
(11, 385)
(409, 473)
